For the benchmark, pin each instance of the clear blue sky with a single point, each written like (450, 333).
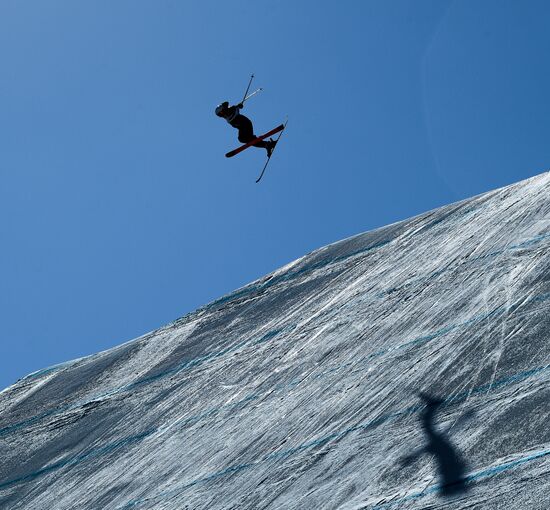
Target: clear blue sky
(118, 210)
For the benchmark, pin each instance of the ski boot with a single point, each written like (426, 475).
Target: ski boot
(270, 146)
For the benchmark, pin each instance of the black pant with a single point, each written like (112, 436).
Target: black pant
(246, 131)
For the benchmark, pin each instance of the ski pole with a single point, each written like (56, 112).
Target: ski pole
(252, 94)
(247, 88)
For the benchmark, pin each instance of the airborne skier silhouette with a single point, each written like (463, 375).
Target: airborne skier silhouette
(246, 131)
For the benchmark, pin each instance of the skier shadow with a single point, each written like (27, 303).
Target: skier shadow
(451, 467)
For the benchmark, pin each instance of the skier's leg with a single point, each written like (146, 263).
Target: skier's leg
(246, 132)
(244, 125)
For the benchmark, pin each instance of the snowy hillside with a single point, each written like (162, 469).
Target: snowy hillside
(408, 367)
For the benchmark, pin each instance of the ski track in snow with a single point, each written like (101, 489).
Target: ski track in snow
(301, 389)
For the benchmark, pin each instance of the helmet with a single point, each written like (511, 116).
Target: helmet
(221, 108)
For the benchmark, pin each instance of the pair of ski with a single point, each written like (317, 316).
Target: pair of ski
(279, 129)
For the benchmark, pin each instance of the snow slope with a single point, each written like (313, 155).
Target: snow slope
(303, 389)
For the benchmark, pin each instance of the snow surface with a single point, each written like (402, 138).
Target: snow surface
(302, 389)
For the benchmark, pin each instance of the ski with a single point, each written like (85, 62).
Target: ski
(277, 140)
(232, 153)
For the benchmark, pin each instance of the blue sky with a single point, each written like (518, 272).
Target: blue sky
(118, 210)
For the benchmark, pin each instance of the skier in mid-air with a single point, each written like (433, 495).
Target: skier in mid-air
(246, 132)
(232, 114)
